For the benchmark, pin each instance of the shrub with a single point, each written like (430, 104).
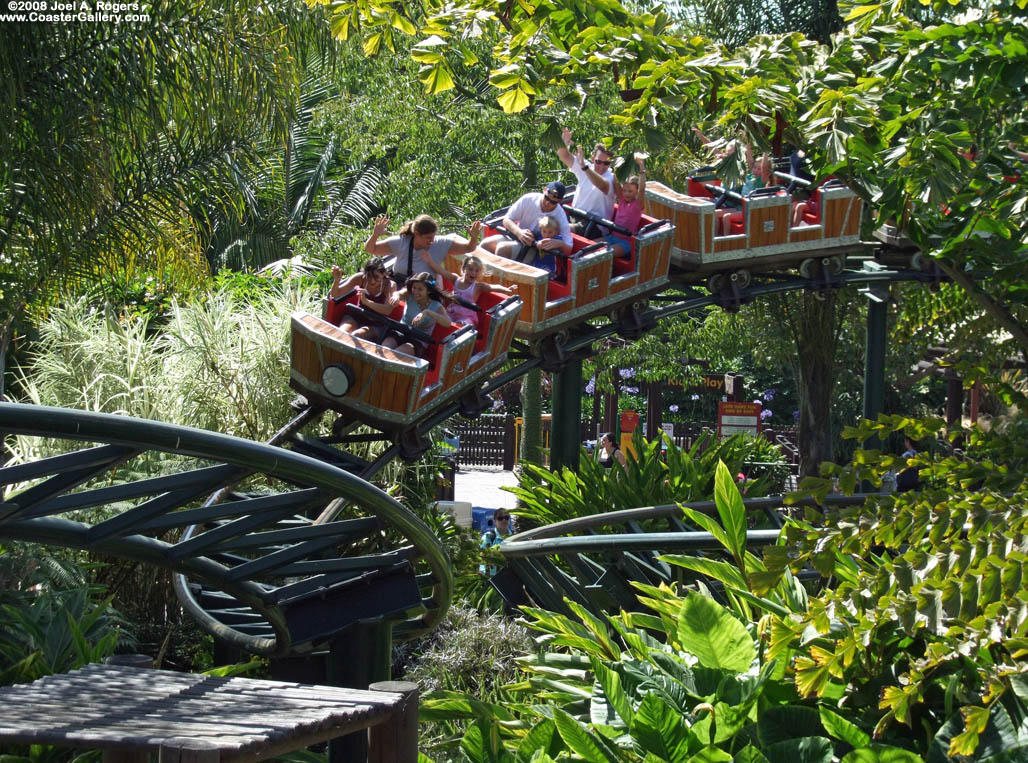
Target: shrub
(652, 478)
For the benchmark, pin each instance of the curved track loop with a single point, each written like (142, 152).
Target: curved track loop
(594, 560)
(312, 547)
(280, 572)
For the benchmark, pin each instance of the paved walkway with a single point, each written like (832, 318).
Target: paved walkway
(480, 486)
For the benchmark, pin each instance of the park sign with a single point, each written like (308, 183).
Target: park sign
(722, 384)
(737, 418)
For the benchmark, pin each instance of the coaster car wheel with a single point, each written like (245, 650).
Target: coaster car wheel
(742, 278)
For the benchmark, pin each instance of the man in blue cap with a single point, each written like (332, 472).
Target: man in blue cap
(522, 222)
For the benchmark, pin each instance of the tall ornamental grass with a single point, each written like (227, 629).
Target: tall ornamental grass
(220, 363)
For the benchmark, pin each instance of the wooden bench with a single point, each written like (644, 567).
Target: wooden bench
(129, 713)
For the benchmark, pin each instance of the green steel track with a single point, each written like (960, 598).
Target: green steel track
(297, 552)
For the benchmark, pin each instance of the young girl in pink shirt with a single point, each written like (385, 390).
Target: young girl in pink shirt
(467, 286)
(630, 208)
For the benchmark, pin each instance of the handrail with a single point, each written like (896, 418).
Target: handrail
(667, 541)
(622, 516)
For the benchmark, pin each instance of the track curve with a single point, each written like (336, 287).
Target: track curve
(278, 559)
(316, 547)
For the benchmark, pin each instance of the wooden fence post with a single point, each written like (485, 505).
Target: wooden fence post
(396, 740)
(654, 409)
(187, 750)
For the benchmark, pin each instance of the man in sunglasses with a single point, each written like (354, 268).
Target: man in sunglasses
(522, 223)
(595, 180)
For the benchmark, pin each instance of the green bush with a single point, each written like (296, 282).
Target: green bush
(470, 652)
(57, 631)
(650, 478)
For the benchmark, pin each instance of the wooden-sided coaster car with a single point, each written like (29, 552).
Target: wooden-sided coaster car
(387, 388)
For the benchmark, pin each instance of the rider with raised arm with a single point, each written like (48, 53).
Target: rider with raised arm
(416, 240)
(596, 192)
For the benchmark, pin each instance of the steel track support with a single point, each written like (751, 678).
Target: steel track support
(874, 356)
(565, 425)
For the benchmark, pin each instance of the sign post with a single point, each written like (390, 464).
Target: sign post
(629, 423)
(669, 430)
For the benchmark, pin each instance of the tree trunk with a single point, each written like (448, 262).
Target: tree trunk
(813, 321)
(531, 406)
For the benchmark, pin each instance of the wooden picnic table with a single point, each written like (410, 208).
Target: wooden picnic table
(130, 713)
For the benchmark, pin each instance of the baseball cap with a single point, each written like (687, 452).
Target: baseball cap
(557, 189)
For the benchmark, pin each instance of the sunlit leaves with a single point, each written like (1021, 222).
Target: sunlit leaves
(717, 639)
(514, 100)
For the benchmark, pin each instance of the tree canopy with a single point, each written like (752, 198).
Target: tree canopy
(893, 104)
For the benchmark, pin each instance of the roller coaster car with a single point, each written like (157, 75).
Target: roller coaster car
(386, 388)
(763, 235)
(589, 282)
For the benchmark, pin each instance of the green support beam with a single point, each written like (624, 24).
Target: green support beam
(565, 425)
(874, 357)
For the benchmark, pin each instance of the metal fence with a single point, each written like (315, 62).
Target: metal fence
(486, 441)
(491, 439)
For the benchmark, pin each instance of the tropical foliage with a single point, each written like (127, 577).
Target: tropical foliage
(217, 363)
(109, 130)
(685, 680)
(299, 189)
(940, 598)
(658, 473)
(51, 618)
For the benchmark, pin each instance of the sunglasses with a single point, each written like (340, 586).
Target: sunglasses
(602, 161)
(501, 519)
(551, 199)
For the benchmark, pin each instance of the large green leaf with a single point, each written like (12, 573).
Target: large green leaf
(999, 738)
(711, 754)
(514, 100)
(749, 754)
(613, 691)
(841, 728)
(543, 737)
(710, 633)
(881, 753)
(802, 750)
(659, 729)
(579, 739)
(730, 509)
(788, 722)
(481, 743)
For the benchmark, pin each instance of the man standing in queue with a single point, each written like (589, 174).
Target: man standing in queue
(595, 192)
